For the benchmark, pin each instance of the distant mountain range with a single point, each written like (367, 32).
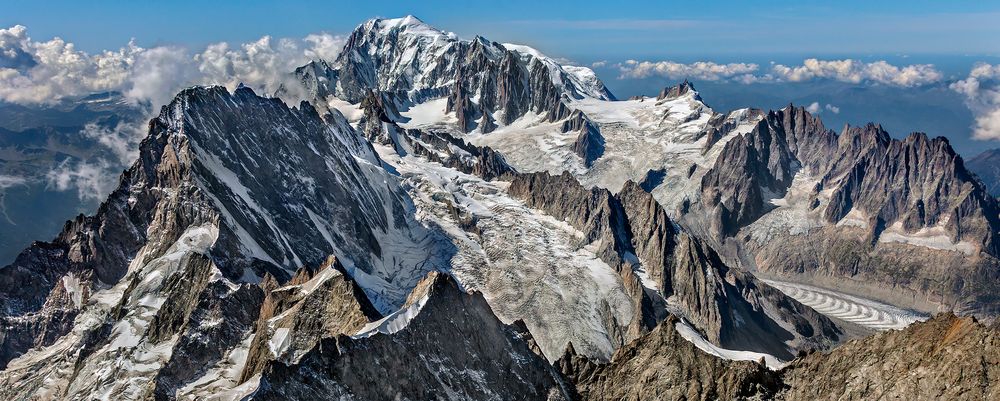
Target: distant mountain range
(463, 219)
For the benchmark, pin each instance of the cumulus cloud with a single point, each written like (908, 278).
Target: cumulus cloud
(833, 109)
(46, 71)
(599, 64)
(982, 95)
(854, 71)
(701, 70)
(813, 108)
(847, 70)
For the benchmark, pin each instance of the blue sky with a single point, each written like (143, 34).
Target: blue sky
(580, 29)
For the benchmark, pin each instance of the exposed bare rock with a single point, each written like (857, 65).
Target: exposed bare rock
(449, 345)
(945, 358)
(589, 144)
(676, 91)
(662, 365)
(728, 305)
(986, 165)
(315, 304)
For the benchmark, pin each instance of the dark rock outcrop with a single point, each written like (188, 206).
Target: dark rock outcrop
(945, 358)
(676, 91)
(986, 166)
(453, 345)
(662, 365)
(480, 78)
(589, 144)
(315, 304)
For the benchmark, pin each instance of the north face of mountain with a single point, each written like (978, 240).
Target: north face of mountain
(986, 165)
(228, 187)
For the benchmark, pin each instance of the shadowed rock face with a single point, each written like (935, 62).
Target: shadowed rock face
(453, 348)
(986, 165)
(916, 181)
(227, 186)
(728, 305)
(589, 144)
(875, 200)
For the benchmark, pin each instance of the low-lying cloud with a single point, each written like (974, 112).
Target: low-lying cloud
(982, 94)
(847, 70)
(701, 70)
(89, 179)
(854, 71)
(34, 72)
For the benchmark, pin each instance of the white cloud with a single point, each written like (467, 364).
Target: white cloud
(833, 109)
(982, 95)
(90, 180)
(122, 140)
(854, 71)
(813, 108)
(599, 64)
(847, 70)
(7, 181)
(44, 72)
(701, 70)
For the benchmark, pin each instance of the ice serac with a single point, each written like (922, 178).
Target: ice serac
(676, 271)
(986, 165)
(453, 347)
(486, 83)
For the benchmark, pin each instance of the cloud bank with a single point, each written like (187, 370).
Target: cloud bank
(701, 70)
(847, 70)
(33, 72)
(982, 94)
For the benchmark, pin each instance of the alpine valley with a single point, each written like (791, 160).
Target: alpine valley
(435, 218)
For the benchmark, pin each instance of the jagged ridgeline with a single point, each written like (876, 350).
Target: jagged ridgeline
(469, 220)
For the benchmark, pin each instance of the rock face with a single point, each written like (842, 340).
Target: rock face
(945, 358)
(589, 144)
(882, 208)
(673, 92)
(379, 125)
(486, 83)
(157, 271)
(664, 366)
(444, 344)
(918, 182)
(729, 305)
(315, 304)
(986, 165)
